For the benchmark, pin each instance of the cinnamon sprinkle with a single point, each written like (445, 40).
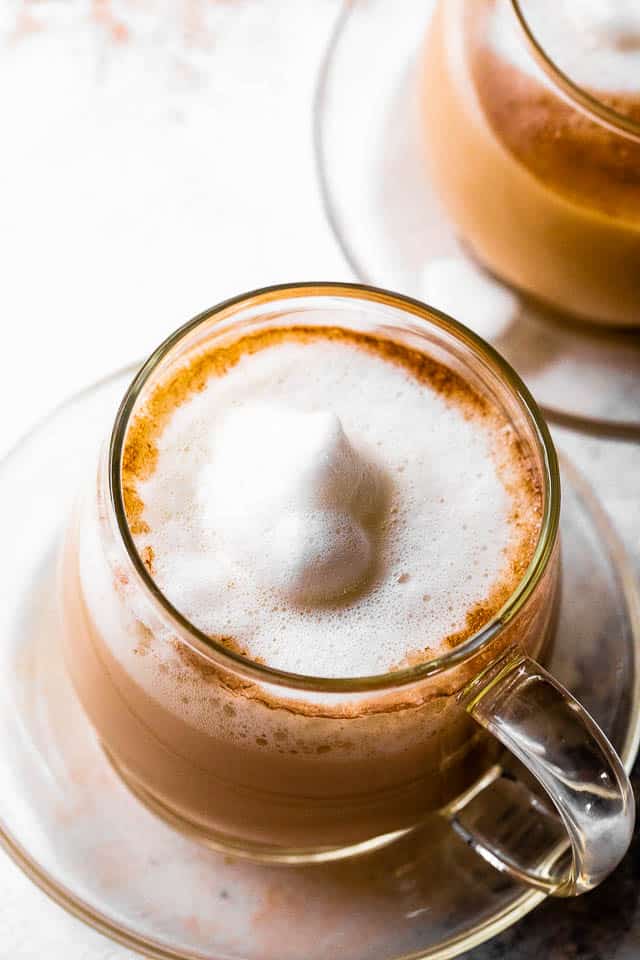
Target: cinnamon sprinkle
(522, 484)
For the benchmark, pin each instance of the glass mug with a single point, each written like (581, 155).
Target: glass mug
(288, 768)
(539, 171)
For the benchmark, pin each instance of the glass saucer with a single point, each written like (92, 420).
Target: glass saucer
(74, 828)
(390, 225)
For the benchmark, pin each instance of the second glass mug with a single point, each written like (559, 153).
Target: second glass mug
(538, 171)
(288, 768)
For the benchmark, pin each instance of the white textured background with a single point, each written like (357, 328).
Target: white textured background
(149, 167)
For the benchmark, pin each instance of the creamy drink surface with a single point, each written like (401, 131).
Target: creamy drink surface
(328, 503)
(324, 501)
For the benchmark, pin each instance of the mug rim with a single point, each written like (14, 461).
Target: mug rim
(222, 656)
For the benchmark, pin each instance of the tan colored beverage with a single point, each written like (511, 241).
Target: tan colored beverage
(219, 741)
(544, 196)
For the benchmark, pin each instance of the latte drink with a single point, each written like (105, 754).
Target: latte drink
(544, 196)
(324, 501)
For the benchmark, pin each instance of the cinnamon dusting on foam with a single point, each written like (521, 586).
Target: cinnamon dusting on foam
(514, 467)
(140, 455)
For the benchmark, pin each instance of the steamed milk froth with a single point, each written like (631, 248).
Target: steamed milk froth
(286, 495)
(329, 511)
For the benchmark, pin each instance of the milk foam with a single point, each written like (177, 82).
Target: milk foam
(286, 495)
(595, 42)
(398, 486)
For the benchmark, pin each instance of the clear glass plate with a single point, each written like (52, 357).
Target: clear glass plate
(73, 827)
(389, 222)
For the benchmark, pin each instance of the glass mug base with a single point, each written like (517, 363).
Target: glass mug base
(240, 846)
(481, 769)
(268, 853)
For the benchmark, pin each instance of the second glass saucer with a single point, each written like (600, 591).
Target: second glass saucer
(390, 224)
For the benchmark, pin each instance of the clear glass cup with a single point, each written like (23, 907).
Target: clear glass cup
(288, 768)
(532, 120)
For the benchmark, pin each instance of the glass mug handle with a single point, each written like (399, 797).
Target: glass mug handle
(555, 738)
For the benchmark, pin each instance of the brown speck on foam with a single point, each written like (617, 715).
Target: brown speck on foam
(415, 658)
(144, 640)
(147, 556)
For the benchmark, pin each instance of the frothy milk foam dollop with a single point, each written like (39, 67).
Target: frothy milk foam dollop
(287, 495)
(328, 510)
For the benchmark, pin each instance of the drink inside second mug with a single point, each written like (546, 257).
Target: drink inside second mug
(325, 488)
(544, 196)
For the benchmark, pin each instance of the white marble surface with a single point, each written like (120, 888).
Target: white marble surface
(76, 298)
(88, 283)
(144, 178)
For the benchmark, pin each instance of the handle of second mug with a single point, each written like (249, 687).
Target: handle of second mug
(552, 734)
